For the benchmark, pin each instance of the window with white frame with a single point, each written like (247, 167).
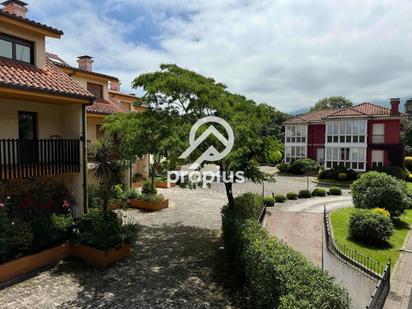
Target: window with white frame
(378, 133)
(351, 158)
(348, 131)
(294, 152)
(296, 133)
(377, 158)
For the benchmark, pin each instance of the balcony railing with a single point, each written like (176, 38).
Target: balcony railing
(30, 158)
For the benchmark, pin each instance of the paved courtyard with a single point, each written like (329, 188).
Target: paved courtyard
(176, 263)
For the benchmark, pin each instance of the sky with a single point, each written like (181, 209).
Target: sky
(286, 53)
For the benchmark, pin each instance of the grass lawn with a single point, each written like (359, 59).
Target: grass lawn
(340, 222)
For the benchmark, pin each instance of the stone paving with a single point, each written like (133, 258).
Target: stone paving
(400, 295)
(176, 263)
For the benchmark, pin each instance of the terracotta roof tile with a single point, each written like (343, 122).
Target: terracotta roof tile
(31, 22)
(364, 110)
(61, 63)
(104, 107)
(315, 116)
(50, 80)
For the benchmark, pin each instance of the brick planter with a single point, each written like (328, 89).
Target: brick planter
(101, 258)
(150, 206)
(17, 268)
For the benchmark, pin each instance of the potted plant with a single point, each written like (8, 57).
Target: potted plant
(116, 201)
(148, 199)
(101, 238)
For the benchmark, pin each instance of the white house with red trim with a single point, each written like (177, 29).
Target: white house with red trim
(361, 137)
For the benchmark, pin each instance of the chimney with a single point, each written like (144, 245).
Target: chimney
(115, 86)
(395, 106)
(15, 7)
(408, 107)
(85, 63)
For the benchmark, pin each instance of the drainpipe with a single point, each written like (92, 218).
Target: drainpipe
(84, 159)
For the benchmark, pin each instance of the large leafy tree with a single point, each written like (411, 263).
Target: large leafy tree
(155, 131)
(332, 103)
(187, 97)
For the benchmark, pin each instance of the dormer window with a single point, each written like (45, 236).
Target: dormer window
(16, 49)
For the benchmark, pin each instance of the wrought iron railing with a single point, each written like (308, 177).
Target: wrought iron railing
(366, 265)
(21, 158)
(262, 214)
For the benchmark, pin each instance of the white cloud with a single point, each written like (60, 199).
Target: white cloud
(286, 53)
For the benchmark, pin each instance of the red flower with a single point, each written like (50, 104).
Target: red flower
(2, 205)
(66, 204)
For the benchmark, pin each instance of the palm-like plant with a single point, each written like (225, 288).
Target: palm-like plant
(106, 169)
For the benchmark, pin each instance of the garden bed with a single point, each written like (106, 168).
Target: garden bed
(164, 184)
(340, 226)
(101, 258)
(149, 205)
(27, 264)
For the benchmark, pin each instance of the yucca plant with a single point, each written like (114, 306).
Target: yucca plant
(106, 169)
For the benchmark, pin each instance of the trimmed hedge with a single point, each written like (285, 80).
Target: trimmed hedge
(335, 191)
(305, 194)
(319, 192)
(299, 167)
(335, 172)
(292, 196)
(370, 227)
(379, 190)
(269, 201)
(280, 198)
(408, 163)
(273, 274)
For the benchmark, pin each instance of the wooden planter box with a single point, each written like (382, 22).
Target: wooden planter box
(150, 206)
(101, 258)
(14, 269)
(164, 184)
(137, 184)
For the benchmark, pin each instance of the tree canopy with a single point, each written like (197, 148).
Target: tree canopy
(176, 98)
(332, 103)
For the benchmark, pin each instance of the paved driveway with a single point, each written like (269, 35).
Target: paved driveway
(175, 264)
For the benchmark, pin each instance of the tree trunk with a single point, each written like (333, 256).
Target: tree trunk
(229, 194)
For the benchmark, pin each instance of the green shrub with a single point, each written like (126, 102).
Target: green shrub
(408, 163)
(379, 190)
(15, 237)
(335, 191)
(395, 171)
(342, 176)
(305, 194)
(280, 198)
(94, 198)
(269, 201)
(283, 167)
(248, 205)
(334, 173)
(99, 230)
(131, 194)
(275, 275)
(370, 227)
(292, 196)
(409, 179)
(382, 212)
(319, 192)
(148, 188)
(302, 166)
